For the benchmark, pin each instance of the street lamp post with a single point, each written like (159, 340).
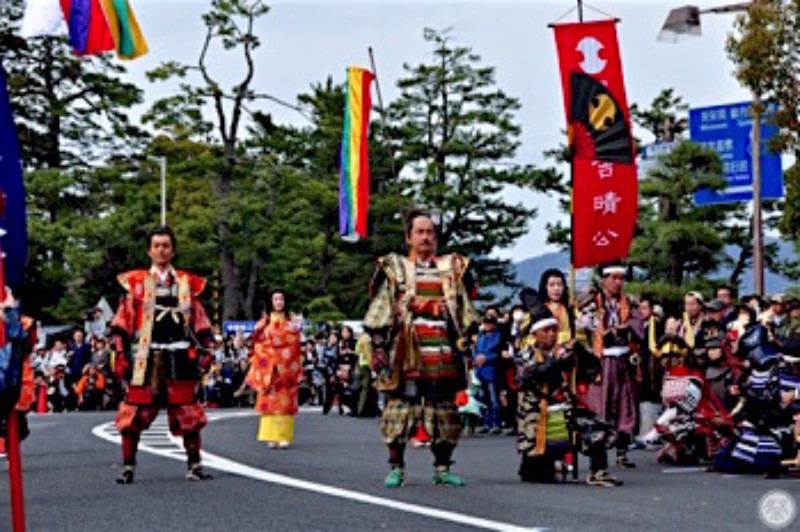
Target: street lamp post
(758, 234)
(162, 162)
(685, 22)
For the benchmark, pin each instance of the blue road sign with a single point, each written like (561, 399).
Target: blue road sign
(727, 130)
(232, 327)
(648, 157)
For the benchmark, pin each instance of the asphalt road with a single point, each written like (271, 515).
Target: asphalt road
(332, 479)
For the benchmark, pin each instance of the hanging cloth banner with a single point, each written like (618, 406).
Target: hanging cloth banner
(15, 242)
(97, 26)
(88, 27)
(354, 177)
(124, 29)
(43, 18)
(605, 187)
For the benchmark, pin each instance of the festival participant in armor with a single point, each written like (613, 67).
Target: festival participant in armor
(790, 396)
(763, 420)
(549, 409)
(161, 315)
(422, 306)
(695, 423)
(614, 397)
(275, 372)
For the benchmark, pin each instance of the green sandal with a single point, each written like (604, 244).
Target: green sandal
(394, 479)
(448, 479)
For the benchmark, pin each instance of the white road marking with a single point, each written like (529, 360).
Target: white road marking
(168, 446)
(684, 470)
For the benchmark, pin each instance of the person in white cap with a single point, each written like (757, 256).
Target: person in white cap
(548, 413)
(613, 397)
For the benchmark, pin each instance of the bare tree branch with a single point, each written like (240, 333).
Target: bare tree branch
(241, 89)
(201, 64)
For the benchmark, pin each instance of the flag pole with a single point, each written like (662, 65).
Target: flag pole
(572, 278)
(12, 423)
(385, 129)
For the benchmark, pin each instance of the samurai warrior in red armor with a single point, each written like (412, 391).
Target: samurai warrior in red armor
(159, 326)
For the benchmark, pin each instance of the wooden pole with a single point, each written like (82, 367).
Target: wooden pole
(12, 423)
(758, 245)
(385, 130)
(573, 283)
(572, 280)
(15, 471)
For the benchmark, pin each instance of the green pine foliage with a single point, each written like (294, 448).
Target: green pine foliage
(456, 137)
(72, 118)
(255, 204)
(765, 47)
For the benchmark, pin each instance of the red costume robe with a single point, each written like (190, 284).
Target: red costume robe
(136, 319)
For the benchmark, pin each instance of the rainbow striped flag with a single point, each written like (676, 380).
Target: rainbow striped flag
(97, 26)
(124, 29)
(88, 29)
(354, 179)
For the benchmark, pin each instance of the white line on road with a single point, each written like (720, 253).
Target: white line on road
(109, 433)
(684, 470)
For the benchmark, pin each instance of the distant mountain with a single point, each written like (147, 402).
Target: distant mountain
(530, 270)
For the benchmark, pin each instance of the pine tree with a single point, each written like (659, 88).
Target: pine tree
(678, 244)
(456, 139)
(71, 115)
(679, 240)
(230, 24)
(765, 48)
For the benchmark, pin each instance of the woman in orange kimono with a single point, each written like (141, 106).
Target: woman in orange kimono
(275, 371)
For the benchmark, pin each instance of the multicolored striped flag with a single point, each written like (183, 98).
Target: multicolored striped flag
(354, 178)
(97, 26)
(88, 28)
(124, 29)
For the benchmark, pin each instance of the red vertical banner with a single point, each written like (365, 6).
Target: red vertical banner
(605, 188)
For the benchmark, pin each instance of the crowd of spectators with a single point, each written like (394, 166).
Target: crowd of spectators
(74, 370)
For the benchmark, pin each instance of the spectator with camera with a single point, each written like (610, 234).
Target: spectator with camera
(90, 389)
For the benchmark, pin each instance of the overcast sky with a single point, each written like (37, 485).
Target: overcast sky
(303, 42)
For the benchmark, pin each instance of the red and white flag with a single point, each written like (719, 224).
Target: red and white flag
(605, 188)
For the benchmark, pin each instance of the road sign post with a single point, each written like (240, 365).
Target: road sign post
(750, 169)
